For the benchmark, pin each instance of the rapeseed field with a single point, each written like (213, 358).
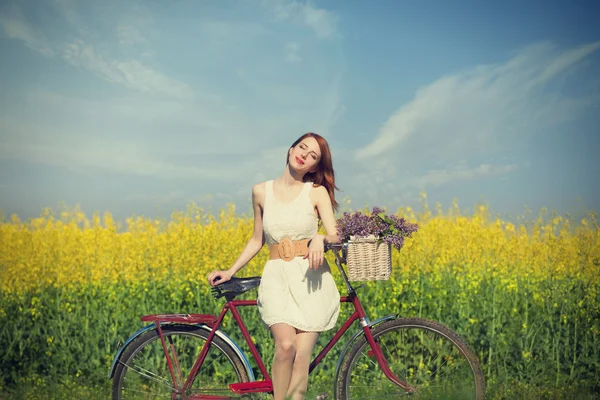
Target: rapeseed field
(525, 294)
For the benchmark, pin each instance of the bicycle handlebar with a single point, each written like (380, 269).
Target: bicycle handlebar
(336, 246)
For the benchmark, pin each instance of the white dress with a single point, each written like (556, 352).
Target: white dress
(290, 292)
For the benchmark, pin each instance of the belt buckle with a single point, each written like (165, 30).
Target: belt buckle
(286, 249)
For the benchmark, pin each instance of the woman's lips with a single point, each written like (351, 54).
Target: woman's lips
(299, 160)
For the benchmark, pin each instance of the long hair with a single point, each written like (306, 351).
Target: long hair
(324, 175)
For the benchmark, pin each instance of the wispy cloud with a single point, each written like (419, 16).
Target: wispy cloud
(455, 127)
(130, 35)
(460, 173)
(478, 109)
(123, 156)
(207, 145)
(229, 124)
(564, 61)
(322, 22)
(13, 25)
(131, 73)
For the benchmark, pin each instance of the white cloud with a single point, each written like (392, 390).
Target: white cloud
(193, 149)
(132, 73)
(82, 152)
(322, 22)
(15, 27)
(233, 131)
(130, 35)
(565, 61)
(478, 110)
(459, 127)
(460, 173)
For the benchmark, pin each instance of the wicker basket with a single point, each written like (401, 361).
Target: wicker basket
(368, 260)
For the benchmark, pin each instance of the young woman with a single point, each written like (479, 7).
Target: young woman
(297, 297)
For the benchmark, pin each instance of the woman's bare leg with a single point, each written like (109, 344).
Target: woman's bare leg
(283, 360)
(305, 343)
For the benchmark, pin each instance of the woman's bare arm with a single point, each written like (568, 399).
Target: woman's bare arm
(324, 207)
(255, 243)
(257, 239)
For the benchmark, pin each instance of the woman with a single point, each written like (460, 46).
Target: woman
(297, 297)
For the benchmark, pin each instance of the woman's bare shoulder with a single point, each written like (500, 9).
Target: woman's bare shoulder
(319, 190)
(259, 189)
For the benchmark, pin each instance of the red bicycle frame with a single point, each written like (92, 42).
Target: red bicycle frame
(264, 385)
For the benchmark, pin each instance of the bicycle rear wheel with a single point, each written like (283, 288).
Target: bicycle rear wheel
(143, 372)
(428, 356)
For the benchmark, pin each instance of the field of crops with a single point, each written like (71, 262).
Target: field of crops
(524, 295)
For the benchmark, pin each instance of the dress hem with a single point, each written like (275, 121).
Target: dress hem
(301, 327)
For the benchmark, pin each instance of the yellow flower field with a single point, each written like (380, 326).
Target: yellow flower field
(70, 250)
(525, 296)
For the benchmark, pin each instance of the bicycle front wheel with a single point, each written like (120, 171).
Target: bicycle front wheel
(431, 358)
(143, 371)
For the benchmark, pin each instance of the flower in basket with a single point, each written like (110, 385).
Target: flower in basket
(389, 229)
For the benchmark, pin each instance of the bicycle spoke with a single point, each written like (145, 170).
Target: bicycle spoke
(402, 376)
(432, 362)
(151, 376)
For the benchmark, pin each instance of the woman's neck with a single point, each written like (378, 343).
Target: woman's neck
(288, 178)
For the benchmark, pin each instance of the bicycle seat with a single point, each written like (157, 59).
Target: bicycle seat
(235, 287)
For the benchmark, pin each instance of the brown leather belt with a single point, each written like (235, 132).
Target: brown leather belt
(287, 249)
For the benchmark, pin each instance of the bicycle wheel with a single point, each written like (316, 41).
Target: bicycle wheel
(143, 372)
(428, 356)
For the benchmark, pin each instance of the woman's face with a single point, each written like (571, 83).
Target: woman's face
(305, 155)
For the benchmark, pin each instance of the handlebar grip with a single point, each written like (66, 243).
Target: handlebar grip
(334, 246)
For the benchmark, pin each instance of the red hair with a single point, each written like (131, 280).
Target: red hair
(324, 175)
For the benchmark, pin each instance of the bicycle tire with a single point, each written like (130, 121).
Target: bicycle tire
(147, 349)
(430, 335)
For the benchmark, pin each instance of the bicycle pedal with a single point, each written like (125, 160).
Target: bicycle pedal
(322, 396)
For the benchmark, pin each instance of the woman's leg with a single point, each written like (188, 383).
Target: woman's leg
(283, 361)
(305, 343)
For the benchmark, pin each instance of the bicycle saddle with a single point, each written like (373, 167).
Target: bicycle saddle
(235, 287)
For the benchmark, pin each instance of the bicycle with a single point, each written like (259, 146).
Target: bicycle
(187, 356)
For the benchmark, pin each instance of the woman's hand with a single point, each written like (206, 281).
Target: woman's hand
(217, 277)
(316, 249)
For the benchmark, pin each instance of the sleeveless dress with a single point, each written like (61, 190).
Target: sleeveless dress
(290, 292)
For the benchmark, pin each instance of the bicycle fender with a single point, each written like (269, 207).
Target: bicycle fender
(205, 327)
(354, 338)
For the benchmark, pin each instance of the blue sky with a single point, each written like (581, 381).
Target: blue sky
(140, 107)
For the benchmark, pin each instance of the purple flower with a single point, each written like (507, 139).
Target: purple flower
(389, 229)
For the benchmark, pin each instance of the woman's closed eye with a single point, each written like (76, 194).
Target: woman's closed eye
(313, 155)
